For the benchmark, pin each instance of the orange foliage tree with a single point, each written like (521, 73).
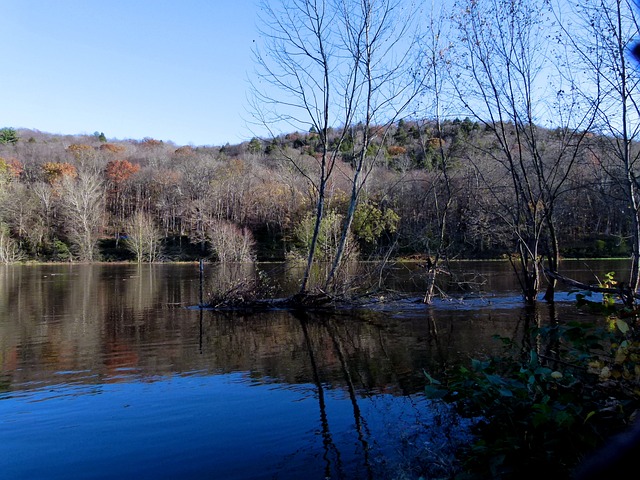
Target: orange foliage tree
(185, 151)
(54, 172)
(80, 151)
(394, 150)
(112, 148)
(119, 171)
(150, 142)
(10, 169)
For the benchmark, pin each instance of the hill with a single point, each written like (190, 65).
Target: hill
(90, 198)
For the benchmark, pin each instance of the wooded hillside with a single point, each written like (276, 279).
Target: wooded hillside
(89, 198)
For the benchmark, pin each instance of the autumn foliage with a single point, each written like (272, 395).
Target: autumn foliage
(151, 142)
(54, 172)
(436, 142)
(190, 192)
(112, 148)
(185, 151)
(119, 171)
(80, 150)
(394, 150)
(12, 168)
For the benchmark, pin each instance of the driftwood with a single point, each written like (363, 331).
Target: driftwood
(623, 291)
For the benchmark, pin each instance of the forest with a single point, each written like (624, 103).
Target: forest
(497, 129)
(86, 198)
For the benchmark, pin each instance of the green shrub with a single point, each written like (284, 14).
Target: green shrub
(539, 414)
(60, 251)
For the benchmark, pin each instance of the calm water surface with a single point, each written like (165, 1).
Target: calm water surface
(107, 371)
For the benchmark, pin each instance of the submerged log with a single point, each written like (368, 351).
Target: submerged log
(623, 290)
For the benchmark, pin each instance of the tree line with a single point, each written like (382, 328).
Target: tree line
(79, 198)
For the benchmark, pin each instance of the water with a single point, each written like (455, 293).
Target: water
(107, 373)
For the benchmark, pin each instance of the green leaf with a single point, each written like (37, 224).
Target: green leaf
(495, 379)
(432, 380)
(589, 415)
(479, 365)
(622, 325)
(505, 393)
(565, 419)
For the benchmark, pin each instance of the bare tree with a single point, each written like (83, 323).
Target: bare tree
(309, 87)
(379, 40)
(231, 243)
(143, 238)
(505, 83)
(602, 37)
(82, 202)
(45, 196)
(9, 249)
(335, 64)
(436, 45)
(20, 211)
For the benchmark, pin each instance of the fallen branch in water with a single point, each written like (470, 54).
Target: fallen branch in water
(623, 290)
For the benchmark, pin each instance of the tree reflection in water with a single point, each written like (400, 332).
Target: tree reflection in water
(330, 449)
(425, 447)
(86, 340)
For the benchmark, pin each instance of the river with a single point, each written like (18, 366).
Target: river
(110, 371)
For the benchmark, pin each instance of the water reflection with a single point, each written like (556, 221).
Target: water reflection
(110, 320)
(127, 318)
(104, 372)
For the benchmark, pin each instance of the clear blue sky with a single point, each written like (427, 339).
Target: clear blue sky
(172, 70)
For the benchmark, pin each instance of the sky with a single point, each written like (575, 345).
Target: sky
(171, 70)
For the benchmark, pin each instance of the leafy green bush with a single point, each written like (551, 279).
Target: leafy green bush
(540, 414)
(60, 251)
(328, 237)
